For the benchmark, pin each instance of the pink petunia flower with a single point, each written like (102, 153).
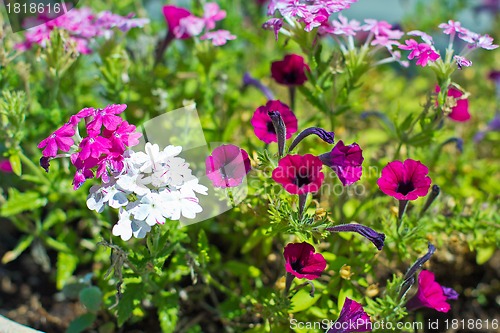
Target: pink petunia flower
(263, 125)
(343, 26)
(5, 166)
(406, 180)
(299, 174)
(123, 136)
(302, 262)
(61, 139)
(218, 37)
(430, 294)
(227, 166)
(452, 27)
(460, 112)
(290, 71)
(345, 161)
(173, 15)
(353, 318)
(462, 61)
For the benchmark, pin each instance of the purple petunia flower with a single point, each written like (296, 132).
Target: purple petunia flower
(299, 174)
(493, 126)
(274, 24)
(263, 125)
(406, 180)
(430, 294)
(227, 166)
(291, 71)
(345, 161)
(375, 237)
(352, 319)
(302, 262)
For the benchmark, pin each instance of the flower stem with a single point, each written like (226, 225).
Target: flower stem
(302, 204)
(288, 283)
(291, 92)
(402, 209)
(36, 170)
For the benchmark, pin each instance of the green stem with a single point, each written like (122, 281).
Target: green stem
(36, 169)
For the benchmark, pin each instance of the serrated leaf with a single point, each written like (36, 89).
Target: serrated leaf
(133, 294)
(23, 244)
(66, 265)
(81, 323)
(20, 202)
(168, 312)
(91, 298)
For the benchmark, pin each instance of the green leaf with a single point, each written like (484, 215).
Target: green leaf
(20, 202)
(254, 239)
(168, 312)
(66, 265)
(132, 296)
(483, 254)
(91, 298)
(23, 244)
(15, 163)
(302, 300)
(81, 323)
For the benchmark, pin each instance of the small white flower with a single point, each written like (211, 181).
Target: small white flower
(191, 186)
(152, 209)
(95, 200)
(140, 228)
(116, 198)
(181, 205)
(123, 227)
(134, 182)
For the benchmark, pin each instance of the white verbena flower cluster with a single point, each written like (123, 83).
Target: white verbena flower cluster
(152, 187)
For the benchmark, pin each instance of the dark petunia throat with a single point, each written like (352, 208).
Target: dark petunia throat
(270, 127)
(302, 181)
(297, 266)
(405, 188)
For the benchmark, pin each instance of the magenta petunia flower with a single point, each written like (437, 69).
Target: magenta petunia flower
(302, 262)
(353, 318)
(345, 161)
(5, 166)
(94, 146)
(406, 180)
(263, 126)
(212, 13)
(123, 136)
(61, 139)
(173, 16)
(227, 166)
(290, 71)
(430, 294)
(460, 112)
(299, 174)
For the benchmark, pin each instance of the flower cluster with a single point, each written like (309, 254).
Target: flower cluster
(82, 25)
(152, 186)
(425, 53)
(108, 137)
(182, 24)
(311, 13)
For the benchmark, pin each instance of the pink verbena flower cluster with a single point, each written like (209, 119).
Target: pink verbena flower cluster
(375, 35)
(82, 25)
(425, 52)
(183, 24)
(108, 136)
(313, 13)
